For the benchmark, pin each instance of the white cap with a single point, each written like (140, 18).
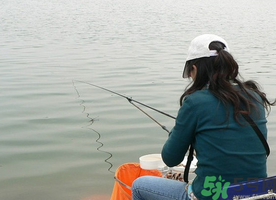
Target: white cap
(199, 48)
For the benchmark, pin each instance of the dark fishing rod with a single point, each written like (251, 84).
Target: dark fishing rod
(130, 100)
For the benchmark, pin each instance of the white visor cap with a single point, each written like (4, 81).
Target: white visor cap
(199, 48)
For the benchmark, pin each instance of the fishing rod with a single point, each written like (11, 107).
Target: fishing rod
(130, 100)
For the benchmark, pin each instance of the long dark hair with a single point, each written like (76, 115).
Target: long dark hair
(218, 73)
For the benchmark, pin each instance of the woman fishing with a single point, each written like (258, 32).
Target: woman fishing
(214, 117)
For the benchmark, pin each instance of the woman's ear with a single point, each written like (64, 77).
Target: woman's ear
(193, 72)
(195, 68)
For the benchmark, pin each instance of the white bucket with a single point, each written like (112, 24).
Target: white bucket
(151, 161)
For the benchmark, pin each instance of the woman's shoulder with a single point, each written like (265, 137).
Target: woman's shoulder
(201, 96)
(202, 101)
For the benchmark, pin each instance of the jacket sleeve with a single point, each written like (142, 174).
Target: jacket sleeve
(182, 134)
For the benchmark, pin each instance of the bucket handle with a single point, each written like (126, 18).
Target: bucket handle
(119, 181)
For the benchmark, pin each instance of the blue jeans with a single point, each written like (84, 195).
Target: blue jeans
(157, 188)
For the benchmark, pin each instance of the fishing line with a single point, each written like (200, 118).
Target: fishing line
(131, 100)
(99, 149)
(92, 120)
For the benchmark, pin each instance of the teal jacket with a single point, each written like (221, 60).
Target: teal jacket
(223, 147)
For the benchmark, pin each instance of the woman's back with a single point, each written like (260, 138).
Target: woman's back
(223, 146)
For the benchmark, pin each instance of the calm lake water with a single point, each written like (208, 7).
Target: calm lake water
(63, 139)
